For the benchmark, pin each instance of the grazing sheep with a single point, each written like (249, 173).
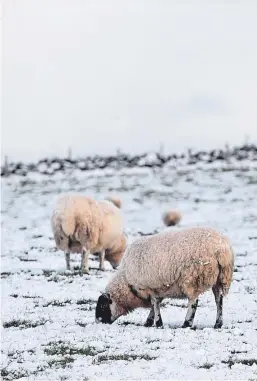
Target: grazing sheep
(83, 225)
(181, 264)
(115, 200)
(171, 218)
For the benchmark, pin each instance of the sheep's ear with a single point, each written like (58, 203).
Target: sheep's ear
(108, 297)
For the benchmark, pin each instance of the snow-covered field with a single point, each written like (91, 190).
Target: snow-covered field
(48, 328)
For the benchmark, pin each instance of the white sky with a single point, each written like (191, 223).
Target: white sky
(101, 75)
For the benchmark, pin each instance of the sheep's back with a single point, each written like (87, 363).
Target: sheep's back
(165, 258)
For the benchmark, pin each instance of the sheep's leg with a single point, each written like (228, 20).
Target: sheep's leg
(150, 319)
(67, 258)
(101, 257)
(84, 261)
(157, 313)
(192, 307)
(219, 303)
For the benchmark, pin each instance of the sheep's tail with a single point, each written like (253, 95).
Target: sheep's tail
(225, 257)
(63, 225)
(68, 225)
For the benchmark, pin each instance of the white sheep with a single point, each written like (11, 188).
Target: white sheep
(171, 218)
(180, 264)
(83, 225)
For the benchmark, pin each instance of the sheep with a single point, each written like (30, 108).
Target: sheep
(83, 225)
(181, 264)
(115, 200)
(171, 218)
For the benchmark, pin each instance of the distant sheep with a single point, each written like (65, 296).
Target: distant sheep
(171, 218)
(83, 225)
(181, 264)
(115, 200)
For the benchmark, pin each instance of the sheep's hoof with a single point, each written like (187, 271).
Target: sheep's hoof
(84, 272)
(186, 324)
(149, 323)
(159, 323)
(218, 325)
(101, 269)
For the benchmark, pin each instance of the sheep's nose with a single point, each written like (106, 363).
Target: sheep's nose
(98, 320)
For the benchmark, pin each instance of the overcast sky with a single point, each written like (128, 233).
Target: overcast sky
(101, 75)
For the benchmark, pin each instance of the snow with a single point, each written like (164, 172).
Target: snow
(48, 328)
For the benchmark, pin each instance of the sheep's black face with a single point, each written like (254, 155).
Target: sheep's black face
(103, 312)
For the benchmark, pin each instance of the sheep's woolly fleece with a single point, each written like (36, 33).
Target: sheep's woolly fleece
(171, 260)
(94, 225)
(49, 330)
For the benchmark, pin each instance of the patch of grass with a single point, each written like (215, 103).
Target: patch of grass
(138, 201)
(5, 274)
(85, 301)
(150, 341)
(123, 357)
(250, 289)
(66, 348)
(234, 352)
(13, 374)
(244, 321)
(15, 354)
(147, 234)
(252, 180)
(81, 324)
(64, 362)
(206, 365)
(57, 303)
(48, 273)
(57, 277)
(125, 323)
(37, 236)
(173, 304)
(230, 362)
(242, 254)
(24, 259)
(38, 248)
(88, 304)
(23, 324)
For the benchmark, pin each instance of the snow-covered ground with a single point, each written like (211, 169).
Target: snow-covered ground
(48, 328)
